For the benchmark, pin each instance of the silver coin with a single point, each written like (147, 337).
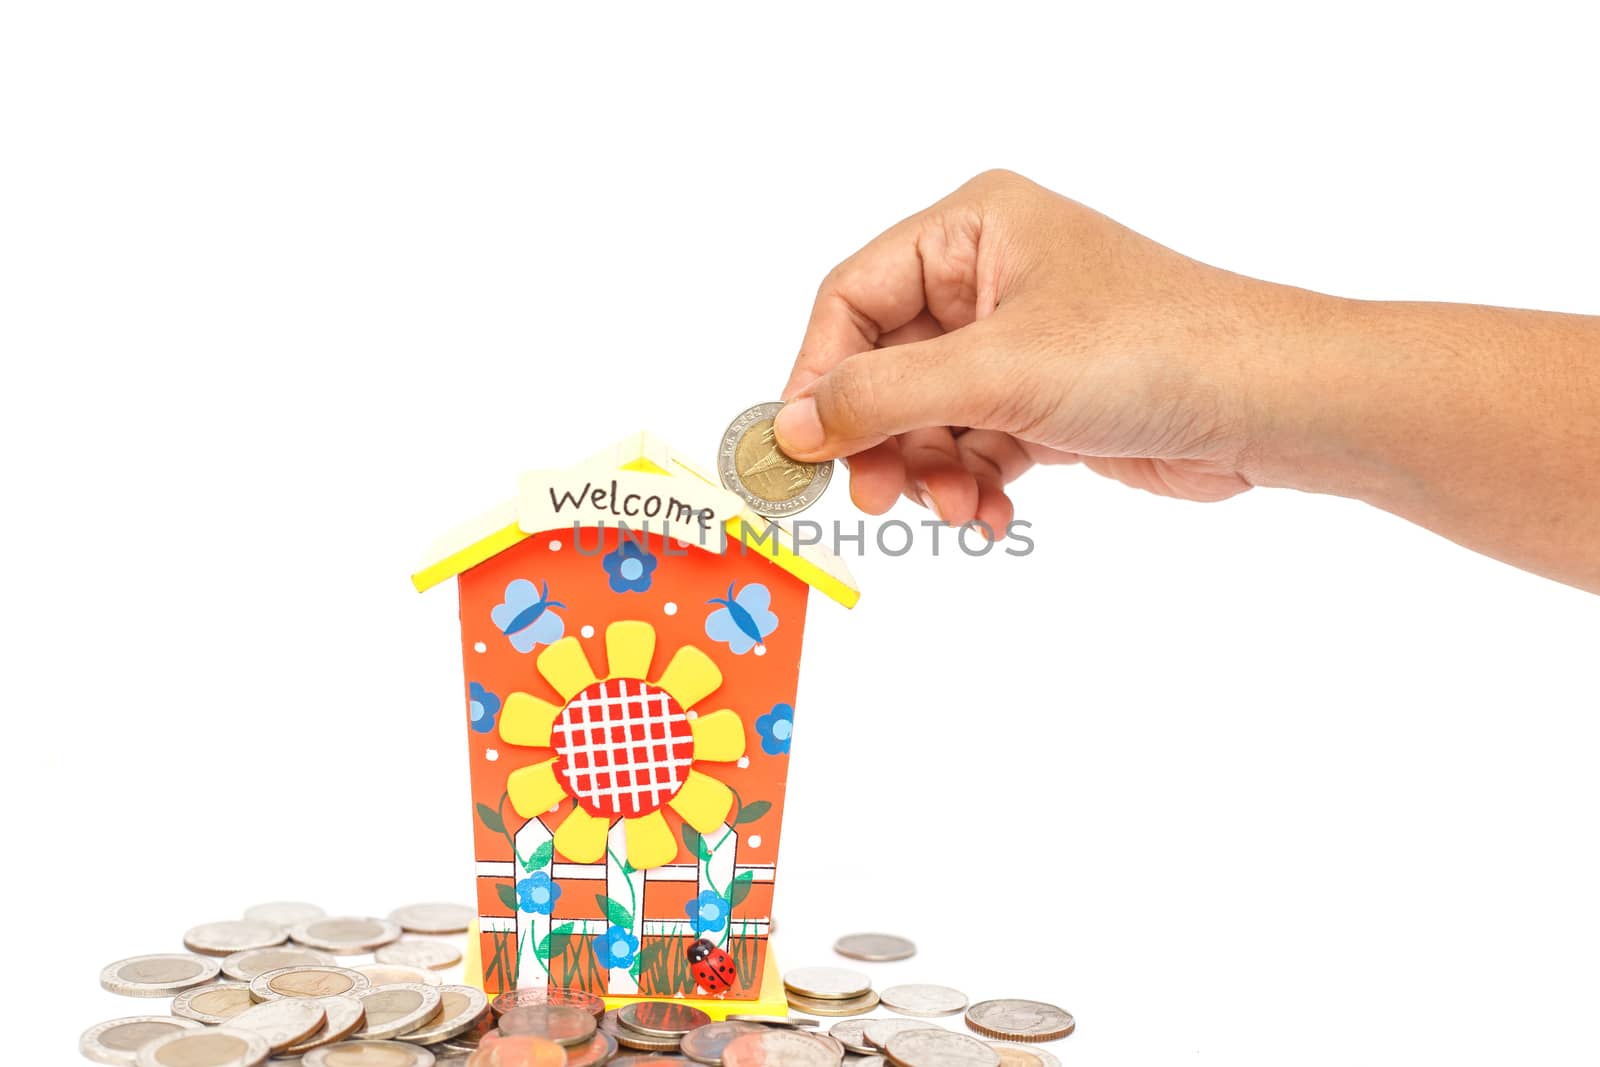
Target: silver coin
(877, 948)
(217, 1046)
(661, 1018)
(434, 918)
(597, 1050)
(561, 1023)
(628, 1037)
(394, 1010)
(772, 1020)
(282, 1023)
(827, 983)
(369, 1054)
(344, 1017)
(750, 465)
(1020, 1020)
(160, 975)
(119, 1040)
(1023, 1055)
(459, 1007)
(704, 1044)
(853, 1006)
(345, 935)
(428, 954)
(284, 913)
(214, 1004)
(308, 982)
(232, 935)
(852, 1034)
(879, 1031)
(245, 966)
(396, 974)
(924, 1001)
(778, 1048)
(937, 1047)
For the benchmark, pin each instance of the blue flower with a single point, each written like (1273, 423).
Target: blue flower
(616, 948)
(484, 706)
(537, 893)
(629, 568)
(707, 912)
(775, 728)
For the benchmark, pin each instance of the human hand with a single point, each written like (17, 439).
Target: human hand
(1007, 326)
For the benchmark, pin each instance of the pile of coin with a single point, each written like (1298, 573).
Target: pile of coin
(270, 987)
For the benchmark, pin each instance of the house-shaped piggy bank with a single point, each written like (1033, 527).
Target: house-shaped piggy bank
(631, 638)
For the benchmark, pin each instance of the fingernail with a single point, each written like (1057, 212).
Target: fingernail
(927, 501)
(797, 426)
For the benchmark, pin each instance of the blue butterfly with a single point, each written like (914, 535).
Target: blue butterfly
(526, 617)
(743, 621)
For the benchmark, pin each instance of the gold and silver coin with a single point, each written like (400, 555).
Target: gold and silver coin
(159, 975)
(343, 1017)
(232, 935)
(118, 1041)
(284, 913)
(309, 982)
(704, 1044)
(369, 1054)
(827, 983)
(660, 1018)
(1020, 1020)
(396, 974)
(460, 1006)
(282, 1023)
(924, 1001)
(1023, 1055)
(752, 466)
(434, 918)
(835, 1007)
(938, 1047)
(875, 948)
(217, 1046)
(394, 1010)
(245, 966)
(213, 1004)
(562, 1023)
(345, 935)
(430, 955)
(878, 1032)
(778, 1048)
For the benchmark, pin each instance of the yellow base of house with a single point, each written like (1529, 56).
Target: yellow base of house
(770, 1001)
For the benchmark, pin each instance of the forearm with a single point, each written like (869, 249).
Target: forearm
(1482, 424)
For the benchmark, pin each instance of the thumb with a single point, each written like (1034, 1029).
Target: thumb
(874, 395)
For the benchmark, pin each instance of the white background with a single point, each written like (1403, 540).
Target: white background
(288, 289)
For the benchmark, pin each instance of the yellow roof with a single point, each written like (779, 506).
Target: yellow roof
(641, 454)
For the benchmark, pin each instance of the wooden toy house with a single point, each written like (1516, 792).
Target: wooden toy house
(631, 638)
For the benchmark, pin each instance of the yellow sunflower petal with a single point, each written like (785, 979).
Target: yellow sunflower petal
(718, 737)
(582, 837)
(534, 790)
(703, 802)
(526, 721)
(566, 668)
(690, 677)
(629, 646)
(650, 841)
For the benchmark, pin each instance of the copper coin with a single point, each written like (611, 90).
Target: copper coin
(704, 1044)
(597, 1050)
(521, 1050)
(520, 998)
(628, 1037)
(561, 1023)
(660, 1018)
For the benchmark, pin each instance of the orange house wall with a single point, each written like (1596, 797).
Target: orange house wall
(684, 580)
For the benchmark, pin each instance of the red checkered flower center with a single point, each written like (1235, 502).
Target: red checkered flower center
(624, 747)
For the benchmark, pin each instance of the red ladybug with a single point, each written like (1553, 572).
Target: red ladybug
(712, 968)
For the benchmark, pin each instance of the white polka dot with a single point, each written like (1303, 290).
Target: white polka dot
(555, 546)
(554, 808)
(682, 544)
(480, 647)
(491, 754)
(755, 841)
(691, 715)
(761, 650)
(670, 608)
(587, 631)
(744, 761)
